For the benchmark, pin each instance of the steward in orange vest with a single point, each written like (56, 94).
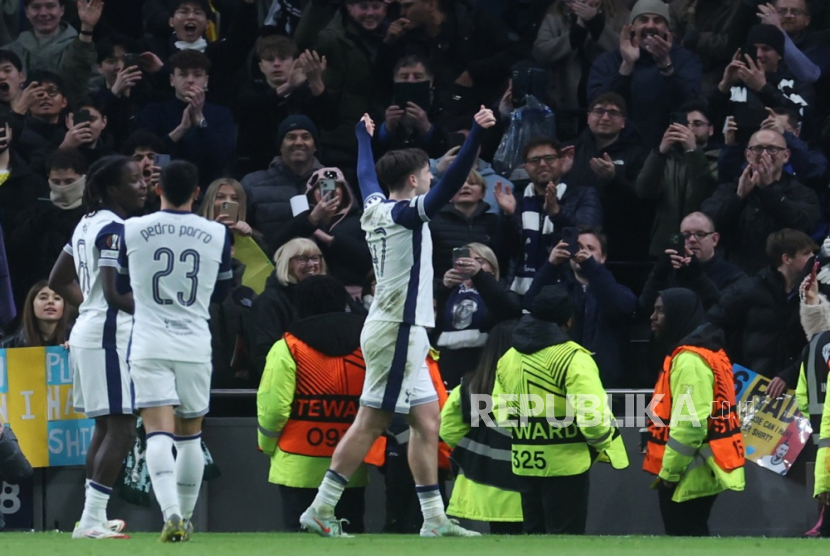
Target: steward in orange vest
(696, 449)
(309, 397)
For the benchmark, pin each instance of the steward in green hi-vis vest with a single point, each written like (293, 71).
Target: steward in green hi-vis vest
(570, 427)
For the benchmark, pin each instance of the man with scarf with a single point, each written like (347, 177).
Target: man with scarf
(695, 445)
(546, 207)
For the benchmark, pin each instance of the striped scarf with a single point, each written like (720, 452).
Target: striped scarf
(537, 232)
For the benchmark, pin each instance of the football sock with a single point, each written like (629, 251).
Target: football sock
(95, 505)
(329, 493)
(432, 506)
(162, 468)
(190, 467)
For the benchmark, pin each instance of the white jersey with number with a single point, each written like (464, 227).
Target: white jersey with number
(95, 244)
(401, 247)
(174, 260)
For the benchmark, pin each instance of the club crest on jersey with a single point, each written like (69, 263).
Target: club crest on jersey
(374, 199)
(113, 242)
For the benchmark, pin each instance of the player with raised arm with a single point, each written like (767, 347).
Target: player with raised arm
(177, 263)
(85, 275)
(394, 338)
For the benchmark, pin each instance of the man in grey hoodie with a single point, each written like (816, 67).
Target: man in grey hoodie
(53, 45)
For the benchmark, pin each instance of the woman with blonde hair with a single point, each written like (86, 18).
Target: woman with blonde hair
(273, 310)
(232, 214)
(470, 303)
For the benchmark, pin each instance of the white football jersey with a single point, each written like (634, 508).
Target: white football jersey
(94, 244)
(401, 247)
(174, 260)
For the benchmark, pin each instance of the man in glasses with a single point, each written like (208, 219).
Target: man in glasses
(679, 174)
(699, 267)
(764, 200)
(609, 160)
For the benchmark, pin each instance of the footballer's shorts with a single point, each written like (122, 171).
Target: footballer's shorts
(184, 385)
(100, 381)
(397, 376)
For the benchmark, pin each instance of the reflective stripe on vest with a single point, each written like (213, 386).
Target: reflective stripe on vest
(724, 437)
(326, 400)
(484, 450)
(816, 375)
(268, 433)
(824, 443)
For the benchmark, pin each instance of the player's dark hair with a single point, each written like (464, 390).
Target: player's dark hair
(482, 378)
(318, 295)
(105, 172)
(67, 159)
(143, 140)
(179, 180)
(395, 166)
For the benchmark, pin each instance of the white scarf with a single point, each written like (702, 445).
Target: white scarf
(200, 45)
(68, 197)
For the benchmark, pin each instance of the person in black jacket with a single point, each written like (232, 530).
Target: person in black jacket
(467, 219)
(14, 467)
(273, 310)
(603, 309)
(47, 225)
(760, 314)
(764, 199)
(332, 220)
(608, 157)
(286, 83)
(89, 137)
(546, 206)
(470, 301)
(699, 268)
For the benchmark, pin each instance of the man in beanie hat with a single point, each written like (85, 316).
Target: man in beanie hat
(269, 191)
(701, 454)
(554, 446)
(757, 79)
(651, 70)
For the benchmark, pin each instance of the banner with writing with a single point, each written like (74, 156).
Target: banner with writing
(775, 431)
(36, 401)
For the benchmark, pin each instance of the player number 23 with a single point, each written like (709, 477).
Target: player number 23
(189, 258)
(525, 459)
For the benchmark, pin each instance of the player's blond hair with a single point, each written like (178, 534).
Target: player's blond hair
(297, 247)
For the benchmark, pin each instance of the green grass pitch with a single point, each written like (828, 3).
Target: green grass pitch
(249, 544)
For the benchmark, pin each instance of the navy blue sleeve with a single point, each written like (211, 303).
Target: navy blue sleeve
(455, 176)
(108, 242)
(367, 178)
(224, 281)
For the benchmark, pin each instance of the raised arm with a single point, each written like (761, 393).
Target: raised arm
(367, 178)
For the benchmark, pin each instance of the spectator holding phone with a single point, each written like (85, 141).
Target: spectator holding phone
(224, 202)
(546, 207)
(603, 309)
(328, 215)
(765, 199)
(86, 131)
(14, 467)
(470, 303)
(410, 122)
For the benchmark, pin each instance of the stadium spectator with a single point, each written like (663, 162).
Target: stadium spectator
(693, 463)
(545, 208)
(332, 221)
(288, 83)
(142, 147)
(53, 45)
(412, 125)
(324, 338)
(466, 219)
(270, 191)
(760, 314)
(699, 268)
(765, 199)
(571, 37)
(484, 488)
(44, 117)
(14, 467)
(471, 301)
(89, 137)
(553, 477)
(193, 129)
(793, 17)
(46, 227)
(603, 308)
(45, 321)
(273, 310)
(653, 73)
(679, 174)
(609, 158)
